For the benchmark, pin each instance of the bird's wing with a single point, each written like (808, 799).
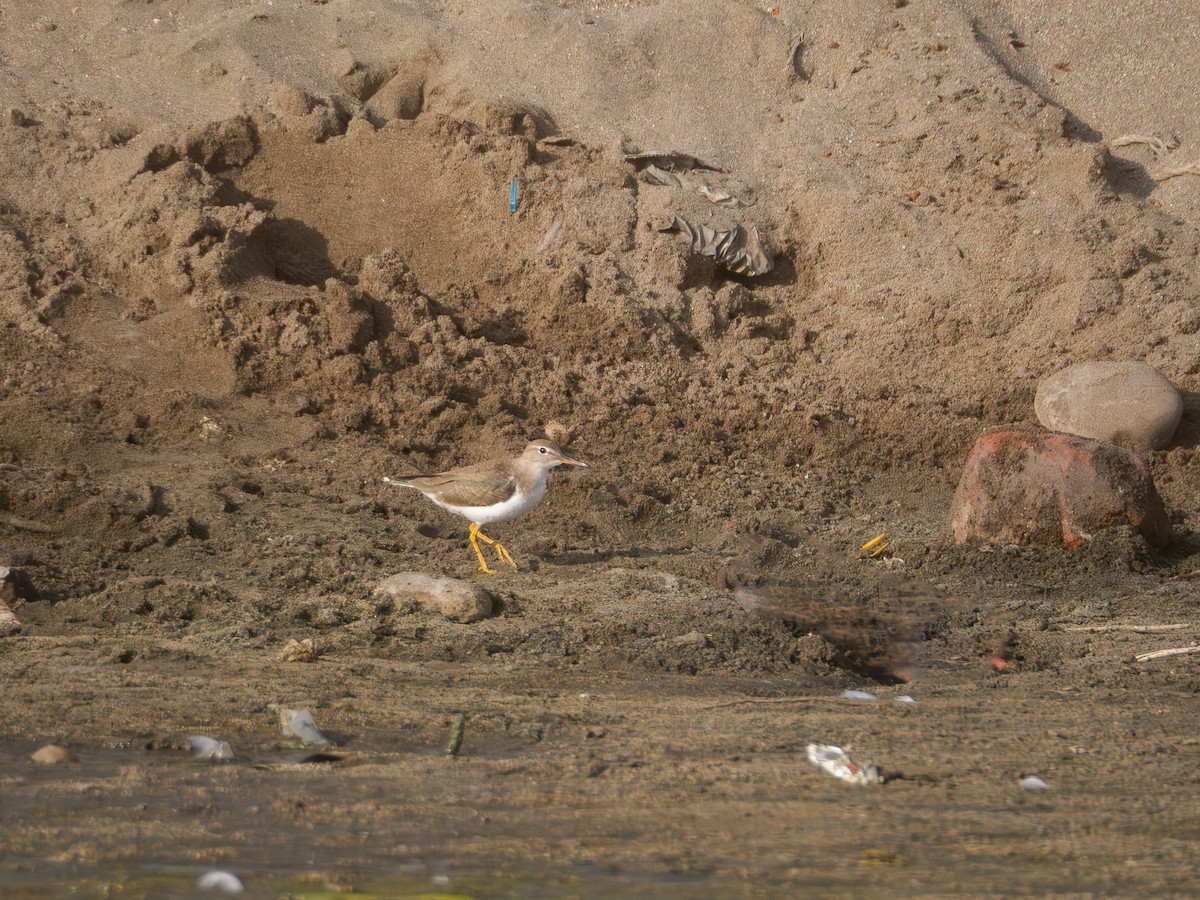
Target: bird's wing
(469, 486)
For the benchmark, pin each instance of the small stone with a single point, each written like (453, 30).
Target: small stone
(1029, 486)
(53, 755)
(9, 623)
(1126, 403)
(301, 405)
(456, 600)
(300, 651)
(44, 27)
(220, 880)
(559, 433)
(15, 118)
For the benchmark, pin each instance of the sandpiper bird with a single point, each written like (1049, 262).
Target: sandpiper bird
(493, 491)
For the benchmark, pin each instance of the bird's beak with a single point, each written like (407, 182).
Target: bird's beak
(572, 461)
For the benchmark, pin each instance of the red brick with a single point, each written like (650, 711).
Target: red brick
(1031, 486)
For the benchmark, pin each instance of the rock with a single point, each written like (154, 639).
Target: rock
(53, 755)
(304, 650)
(1126, 403)
(456, 600)
(220, 880)
(9, 624)
(1029, 486)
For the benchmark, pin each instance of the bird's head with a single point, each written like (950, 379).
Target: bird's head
(547, 454)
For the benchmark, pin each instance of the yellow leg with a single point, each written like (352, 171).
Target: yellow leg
(483, 566)
(500, 551)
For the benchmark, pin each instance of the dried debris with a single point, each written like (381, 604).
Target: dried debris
(737, 249)
(668, 178)
(300, 651)
(1162, 146)
(669, 160)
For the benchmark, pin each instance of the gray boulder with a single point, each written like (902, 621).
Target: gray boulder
(456, 600)
(1126, 403)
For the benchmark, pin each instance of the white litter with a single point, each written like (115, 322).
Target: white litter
(220, 880)
(298, 723)
(835, 761)
(859, 696)
(1033, 783)
(905, 700)
(211, 749)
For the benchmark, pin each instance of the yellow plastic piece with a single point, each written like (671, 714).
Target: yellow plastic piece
(873, 543)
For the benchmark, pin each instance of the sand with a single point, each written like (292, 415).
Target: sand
(255, 256)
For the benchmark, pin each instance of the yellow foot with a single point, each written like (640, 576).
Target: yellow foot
(503, 554)
(476, 537)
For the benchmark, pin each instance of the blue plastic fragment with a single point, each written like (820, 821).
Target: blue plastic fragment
(512, 197)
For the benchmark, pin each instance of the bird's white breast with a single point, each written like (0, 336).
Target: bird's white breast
(518, 503)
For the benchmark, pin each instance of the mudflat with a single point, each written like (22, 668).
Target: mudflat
(256, 257)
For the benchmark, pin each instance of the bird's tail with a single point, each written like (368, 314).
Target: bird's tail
(398, 482)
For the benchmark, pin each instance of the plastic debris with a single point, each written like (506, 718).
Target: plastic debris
(298, 723)
(654, 175)
(877, 546)
(721, 198)
(669, 160)
(1033, 783)
(220, 880)
(835, 761)
(859, 696)
(549, 236)
(512, 196)
(664, 177)
(737, 249)
(210, 749)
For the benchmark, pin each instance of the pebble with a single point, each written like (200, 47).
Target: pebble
(1033, 783)
(53, 755)
(1029, 486)
(304, 650)
(9, 623)
(220, 880)
(1126, 403)
(452, 598)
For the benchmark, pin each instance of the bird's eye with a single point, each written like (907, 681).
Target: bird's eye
(541, 449)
